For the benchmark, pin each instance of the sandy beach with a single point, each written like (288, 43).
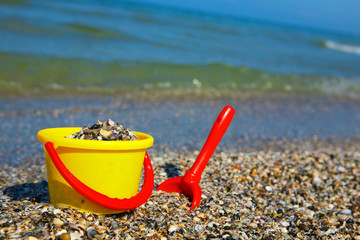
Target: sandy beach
(286, 169)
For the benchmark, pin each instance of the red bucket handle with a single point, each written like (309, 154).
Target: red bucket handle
(99, 198)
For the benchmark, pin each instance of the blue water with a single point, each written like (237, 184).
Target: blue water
(135, 32)
(177, 125)
(118, 46)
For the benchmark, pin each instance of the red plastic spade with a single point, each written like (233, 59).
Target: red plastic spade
(189, 184)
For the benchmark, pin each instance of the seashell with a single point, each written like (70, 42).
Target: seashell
(172, 228)
(95, 126)
(104, 133)
(58, 222)
(111, 122)
(132, 135)
(57, 211)
(92, 233)
(75, 235)
(120, 128)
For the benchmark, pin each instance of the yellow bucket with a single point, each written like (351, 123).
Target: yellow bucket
(96, 176)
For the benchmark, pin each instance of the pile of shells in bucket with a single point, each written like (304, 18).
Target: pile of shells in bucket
(109, 130)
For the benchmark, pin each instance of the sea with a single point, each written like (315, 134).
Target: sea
(111, 46)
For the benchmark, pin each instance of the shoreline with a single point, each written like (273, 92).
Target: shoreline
(174, 94)
(178, 124)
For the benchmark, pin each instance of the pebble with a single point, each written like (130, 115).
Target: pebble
(317, 180)
(92, 233)
(172, 228)
(57, 211)
(285, 224)
(346, 211)
(253, 225)
(75, 236)
(212, 224)
(199, 228)
(58, 222)
(64, 236)
(303, 227)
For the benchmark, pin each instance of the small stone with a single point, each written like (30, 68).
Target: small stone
(92, 233)
(172, 228)
(4, 198)
(114, 225)
(104, 133)
(226, 236)
(253, 225)
(269, 189)
(44, 209)
(75, 235)
(111, 122)
(346, 211)
(212, 224)
(317, 180)
(285, 224)
(57, 211)
(227, 227)
(303, 227)
(60, 232)
(64, 236)
(14, 236)
(199, 228)
(58, 222)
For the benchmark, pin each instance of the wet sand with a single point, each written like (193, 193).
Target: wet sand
(286, 168)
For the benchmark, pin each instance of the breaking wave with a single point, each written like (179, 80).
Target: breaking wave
(347, 48)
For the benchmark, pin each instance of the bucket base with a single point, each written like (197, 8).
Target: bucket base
(77, 201)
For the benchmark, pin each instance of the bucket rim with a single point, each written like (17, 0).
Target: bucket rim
(58, 137)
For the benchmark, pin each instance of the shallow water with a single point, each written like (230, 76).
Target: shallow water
(178, 126)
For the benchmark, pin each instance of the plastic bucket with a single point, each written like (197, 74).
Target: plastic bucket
(96, 176)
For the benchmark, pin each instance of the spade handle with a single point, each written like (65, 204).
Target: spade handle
(218, 130)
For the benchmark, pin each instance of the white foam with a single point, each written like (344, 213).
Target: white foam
(354, 49)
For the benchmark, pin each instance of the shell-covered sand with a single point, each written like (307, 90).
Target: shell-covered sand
(304, 186)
